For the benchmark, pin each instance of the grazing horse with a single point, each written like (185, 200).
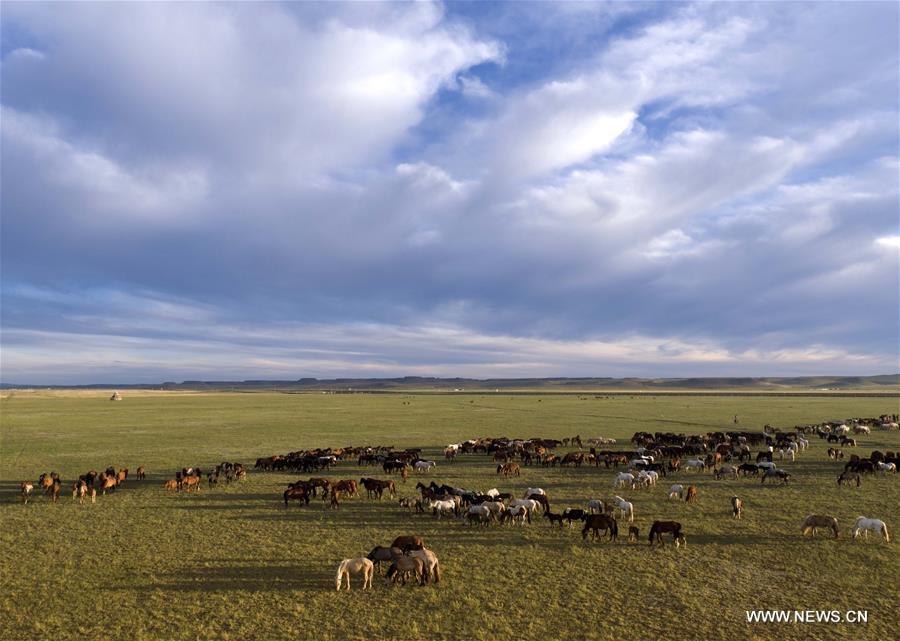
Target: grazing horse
(596, 505)
(737, 507)
(626, 508)
(479, 513)
(691, 494)
(864, 524)
(355, 566)
(403, 566)
(380, 554)
(424, 466)
(596, 522)
(634, 533)
(726, 470)
(748, 469)
(663, 527)
(509, 469)
(849, 477)
(624, 479)
(27, 489)
(408, 542)
(432, 565)
(189, 482)
(676, 492)
(555, 518)
(541, 499)
(171, 484)
(779, 474)
(573, 514)
(533, 490)
(296, 493)
(439, 507)
(814, 521)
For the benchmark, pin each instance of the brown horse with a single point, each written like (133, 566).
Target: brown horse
(664, 527)
(633, 533)
(122, 476)
(171, 484)
(141, 473)
(509, 469)
(597, 522)
(189, 482)
(296, 493)
(349, 487)
(107, 483)
(849, 477)
(403, 566)
(691, 494)
(814, 521)
(376, 488)
(409, 542)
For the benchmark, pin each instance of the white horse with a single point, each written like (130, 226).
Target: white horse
(432, 566)
(676, 492)
(596, 505)
(517, 514)
(482, 511)
(440, 506)
(803, 443)
(887, 467)
(652, 477)
(694, 464)
(496, 507)
(766, 465)
(864, 524)
(624, 479)
(355, 566)
(493, 492)
(529, 504)
(626, 508)
(424, 466)
(533, 490)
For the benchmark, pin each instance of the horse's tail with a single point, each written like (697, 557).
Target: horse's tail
(340, 571)
(652, 532)
(884, 533)
(437, 572)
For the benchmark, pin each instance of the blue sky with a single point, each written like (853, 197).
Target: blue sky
(244, 190)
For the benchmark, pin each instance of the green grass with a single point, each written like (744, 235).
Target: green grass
(232, 563)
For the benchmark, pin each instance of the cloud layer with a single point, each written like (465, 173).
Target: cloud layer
(240, 190)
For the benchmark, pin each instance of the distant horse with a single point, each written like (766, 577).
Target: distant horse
(814, 521)
(676, 492)
(634, 533)
(533, 490)
(594, 523)
(691, 494)
(509, 469)
(554, 518)
(664, 527)
(141, 473)
(171, 484)
(596, 505)
(778, 474)
(439, 507)
(189, 482)
(27, 489)
(737, 507)
(863, 525)
(355, 566)
(849, 477)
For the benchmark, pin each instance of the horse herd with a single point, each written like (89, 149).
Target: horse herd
(84, 487)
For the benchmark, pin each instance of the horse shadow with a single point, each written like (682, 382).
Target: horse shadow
(242, 576)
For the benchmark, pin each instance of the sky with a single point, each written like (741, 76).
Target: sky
(253, 190)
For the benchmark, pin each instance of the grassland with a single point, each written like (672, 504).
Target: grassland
(232, 563)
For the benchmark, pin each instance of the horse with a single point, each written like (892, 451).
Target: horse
(597, 522)
(438, 507)
(518, 514)
(377, 488)
(626, 508)
(634, 533)
(408, 542)
(479, 513)
(171, 484)
(541, 499)
(849, 477)
(27, 488)
(814, 521)
(676, 492)
(402, 566)
(424, 466)
(46, 482)
(663, 527)
(107, 483)
(864, 524)
(554, 518)
(573, 514)
(189, 482)
(779, 474)
(624, 479)
(694, 464)
(887, 467)
(691, 494)
(355, 566)
(596, 505)
(296, 493)
(533, 490)
(141, 473)
(748, 469)
(380, 554)
(122, 476)
(737, 507)
(509, 469)
(726, 470)
(432, 565)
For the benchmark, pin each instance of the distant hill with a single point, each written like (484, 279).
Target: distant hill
(882, 383)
